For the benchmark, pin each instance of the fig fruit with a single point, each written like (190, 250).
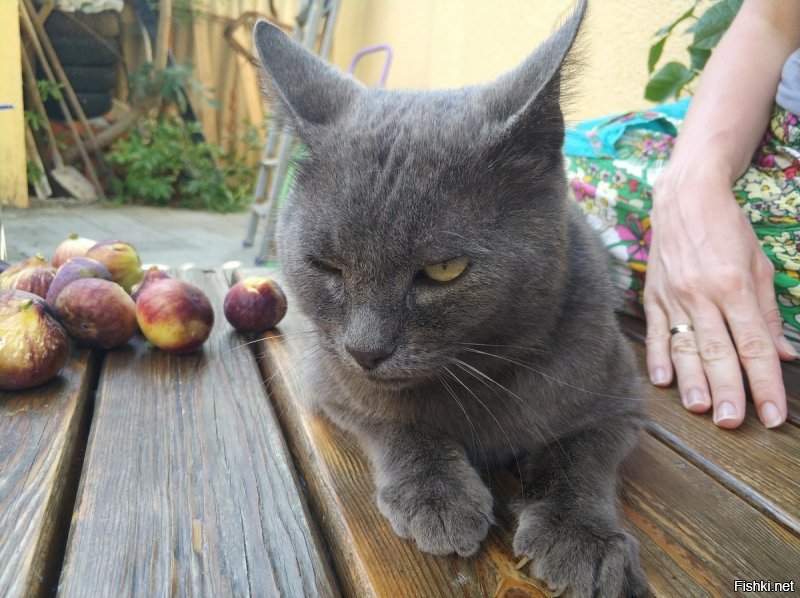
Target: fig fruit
(33, 345)
(153, 273)
(254, 304)
(174, 315)
(14, 269)
(72, 246)
(72, 270)
(97, 313)
(121, 259)
(33, 275)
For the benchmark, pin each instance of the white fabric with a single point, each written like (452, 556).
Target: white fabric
(788, 96)
(89, 6)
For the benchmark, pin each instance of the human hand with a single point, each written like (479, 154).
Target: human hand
(706, 268)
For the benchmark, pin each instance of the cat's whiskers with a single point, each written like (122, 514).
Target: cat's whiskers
(472, 244)
(483, 377)
(238, 346)
(293, 375)
(307, 352)
(527, 366)
(519, 347)
(499, 425)
(475, 436)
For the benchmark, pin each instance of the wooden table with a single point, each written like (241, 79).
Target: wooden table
(143, 473)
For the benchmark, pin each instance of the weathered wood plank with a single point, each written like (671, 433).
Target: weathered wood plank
(696, 535)
(187, 486)
(713, 535)
(42, 433)
(760, 465)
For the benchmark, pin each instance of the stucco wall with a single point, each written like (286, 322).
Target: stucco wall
(445, 43)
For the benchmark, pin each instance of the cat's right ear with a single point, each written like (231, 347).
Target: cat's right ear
(303, 90)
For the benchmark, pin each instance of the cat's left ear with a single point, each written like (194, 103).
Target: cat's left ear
(303, 89)
(525, 102)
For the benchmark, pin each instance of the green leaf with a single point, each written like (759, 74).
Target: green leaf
(713, 23)
(667, 82)
(664, 31)
(35, 120)
(655, 53)
(699, 57)
(49, 90)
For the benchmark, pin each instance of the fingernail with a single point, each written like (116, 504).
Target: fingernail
(770, 415)
(726, 412)
(694, 398)
(659, 376)
(787, 346)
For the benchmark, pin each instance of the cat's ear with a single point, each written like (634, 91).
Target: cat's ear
(525, 102)
(302, 88)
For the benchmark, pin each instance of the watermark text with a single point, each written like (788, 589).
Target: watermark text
(741, 585)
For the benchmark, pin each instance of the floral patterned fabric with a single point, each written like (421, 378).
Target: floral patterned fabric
(613, 162)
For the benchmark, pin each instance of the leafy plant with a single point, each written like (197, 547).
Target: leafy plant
(48, 89)
(33, 171)
(35, 119)
(167, 84)
(166, 161)
(674, 79)
(162, 164)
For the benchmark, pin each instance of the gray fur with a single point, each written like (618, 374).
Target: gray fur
(519, 361)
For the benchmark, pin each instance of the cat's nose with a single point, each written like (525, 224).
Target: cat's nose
(368, 359)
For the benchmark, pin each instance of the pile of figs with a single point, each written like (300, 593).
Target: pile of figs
(98, 294)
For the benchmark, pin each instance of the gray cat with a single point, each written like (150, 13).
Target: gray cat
(463, 308)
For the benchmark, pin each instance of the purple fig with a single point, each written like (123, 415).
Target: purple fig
(97, 313)
(33, 345)
(72, 270)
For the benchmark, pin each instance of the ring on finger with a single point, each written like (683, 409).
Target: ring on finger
(678, 328)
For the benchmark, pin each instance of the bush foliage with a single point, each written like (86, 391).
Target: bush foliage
(674, 79)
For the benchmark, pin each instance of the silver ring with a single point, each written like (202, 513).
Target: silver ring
(680, 328)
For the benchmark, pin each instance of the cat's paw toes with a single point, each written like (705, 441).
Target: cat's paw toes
(580, 558)
(450, 522)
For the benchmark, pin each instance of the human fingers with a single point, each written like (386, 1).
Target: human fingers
(720, 364)
(659, 364)
(759, 358)
(692, 383)
(764, 274)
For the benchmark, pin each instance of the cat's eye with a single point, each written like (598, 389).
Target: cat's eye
(323, 265)
(447, 270)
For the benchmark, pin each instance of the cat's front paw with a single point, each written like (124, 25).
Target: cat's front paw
(579, 554)
(441, 516)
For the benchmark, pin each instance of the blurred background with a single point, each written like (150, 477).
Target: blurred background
(157, 102)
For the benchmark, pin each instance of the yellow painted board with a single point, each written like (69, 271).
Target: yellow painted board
(13, 182)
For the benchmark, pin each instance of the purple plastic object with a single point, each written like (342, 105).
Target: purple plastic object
(369, 50)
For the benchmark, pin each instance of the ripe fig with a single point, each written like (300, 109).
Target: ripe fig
(97, 313)
(14, 269)
(33, 275)
(72, 270)
(33, 345)
(174, 315)
(153, 273)
(121, 259)
(72, 246)
(255, 304)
